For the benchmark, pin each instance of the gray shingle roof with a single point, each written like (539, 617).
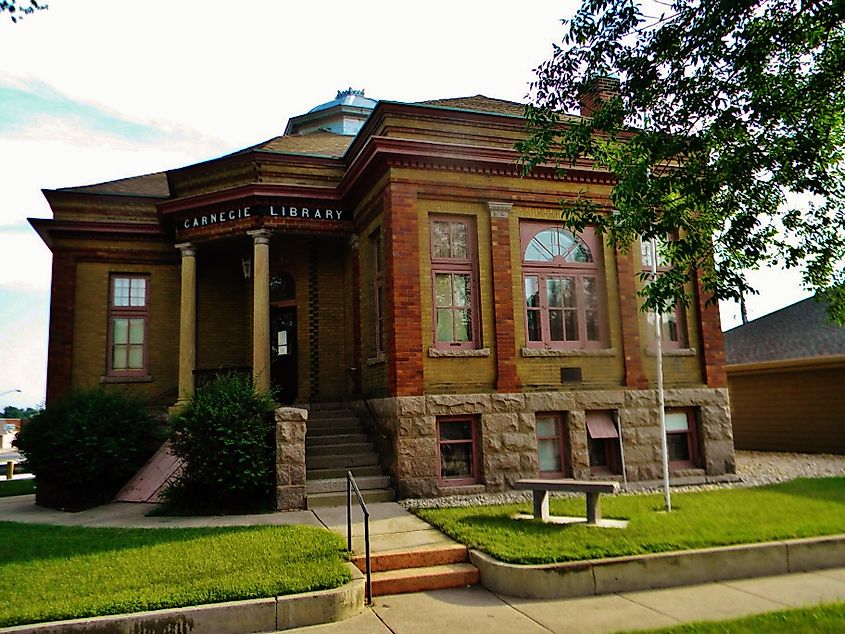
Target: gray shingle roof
(799, 331)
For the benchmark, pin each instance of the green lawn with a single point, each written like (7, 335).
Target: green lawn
(16, 487)
(824, 619)
(800, 508)
(55, 572)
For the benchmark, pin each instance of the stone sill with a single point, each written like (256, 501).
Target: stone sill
(569, 352)
(464, 353)
(673, 352)
(461, 489)
(126, 379)
(379, 358)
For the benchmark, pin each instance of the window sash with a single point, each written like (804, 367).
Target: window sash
(453, 277)
(379, 335)
(681, 443)
(454, 453)
(562, 309)
(551, 444)
(127, 353)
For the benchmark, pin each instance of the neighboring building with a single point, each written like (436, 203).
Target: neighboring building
(786, 373)
(391, 252)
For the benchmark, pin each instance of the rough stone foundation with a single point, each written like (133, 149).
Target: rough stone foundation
(508, 440)
(290, 458)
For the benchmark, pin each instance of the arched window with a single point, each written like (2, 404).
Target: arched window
(564, 289)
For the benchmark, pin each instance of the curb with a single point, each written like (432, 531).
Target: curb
(233, 617)
(660, 570)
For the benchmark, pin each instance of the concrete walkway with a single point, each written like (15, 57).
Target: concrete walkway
(477, 610)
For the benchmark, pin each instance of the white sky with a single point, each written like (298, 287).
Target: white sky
(93, 90)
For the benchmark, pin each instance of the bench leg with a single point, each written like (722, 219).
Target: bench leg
(541, 505)
(593, 508)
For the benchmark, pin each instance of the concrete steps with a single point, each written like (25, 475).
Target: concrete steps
(420, 570)
(335, 443)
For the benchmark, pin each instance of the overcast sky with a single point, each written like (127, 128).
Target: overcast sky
(94, 90)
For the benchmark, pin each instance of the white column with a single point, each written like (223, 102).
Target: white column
(187, 323)
(261, 309)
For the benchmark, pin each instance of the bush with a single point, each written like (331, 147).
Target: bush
(85, 446)
(225, 436)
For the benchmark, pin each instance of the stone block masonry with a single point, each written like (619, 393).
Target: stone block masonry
(507, 437)
(291, 424)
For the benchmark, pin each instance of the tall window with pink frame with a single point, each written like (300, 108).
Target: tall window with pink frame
(453, 279)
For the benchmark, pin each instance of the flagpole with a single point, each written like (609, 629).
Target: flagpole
(661, 403)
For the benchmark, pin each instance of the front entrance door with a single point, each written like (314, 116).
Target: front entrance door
(283, 352)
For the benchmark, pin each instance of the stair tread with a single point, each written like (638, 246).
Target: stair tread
(427, 571)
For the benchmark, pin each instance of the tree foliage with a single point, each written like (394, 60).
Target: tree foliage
(18, 11)
(729, 129)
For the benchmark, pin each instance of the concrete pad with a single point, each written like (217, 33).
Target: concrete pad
(385, 517)
(455, 610)
(410, 540)
(706, 602)
(365, 623)
(609, 613)
(793, 590)
(566, 519)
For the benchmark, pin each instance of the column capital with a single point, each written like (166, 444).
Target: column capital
(187, 248)
(260, 236)
(354, 242)
(499, 209)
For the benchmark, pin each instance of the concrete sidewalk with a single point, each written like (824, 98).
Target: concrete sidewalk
(477, 610)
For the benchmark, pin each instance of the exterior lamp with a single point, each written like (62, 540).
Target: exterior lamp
(246, 266)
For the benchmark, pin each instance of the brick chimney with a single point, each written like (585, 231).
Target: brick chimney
(599, 89)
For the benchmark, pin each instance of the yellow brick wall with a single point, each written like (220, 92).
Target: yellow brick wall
(335, 333)
(90, 333)
(223, 337)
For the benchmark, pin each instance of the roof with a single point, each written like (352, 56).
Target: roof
(151, 185)
(479, 103)
(319, 143)
(799, 331)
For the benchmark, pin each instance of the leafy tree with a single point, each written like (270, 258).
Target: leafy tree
(11, 411)
(17, 12)
(729, 126)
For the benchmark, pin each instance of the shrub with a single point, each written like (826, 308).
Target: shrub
(225, 436)
(82, 448)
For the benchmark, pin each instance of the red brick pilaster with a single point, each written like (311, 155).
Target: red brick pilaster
(507, 379)
(712, 342)
(60, 348)
(630, 322)
(402, 290)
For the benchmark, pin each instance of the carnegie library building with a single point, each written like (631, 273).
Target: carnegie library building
(388, 268)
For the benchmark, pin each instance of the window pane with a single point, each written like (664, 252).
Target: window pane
(592, 322)
(549, 454)
(571, 324)
(463, 326)
(136, 358)
(445, 330)
(456, 460)
(676, 421)
(678, 446)
(136, 331)
(670, 327)
(118, 359)
(556, 325)
(138, 292)
(568, 288)
(121, 291)
(591, 299)
(455, 430)
(547, 427)
(440, 235)
(460, 284)
(534, 333)
(532, 292)
(580, 254)
(120, 334)
(554, 292)
(460, 245)
(443, 289)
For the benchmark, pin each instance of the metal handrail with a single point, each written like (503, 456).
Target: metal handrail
(350, 485)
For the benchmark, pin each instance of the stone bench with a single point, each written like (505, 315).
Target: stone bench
(541, 488)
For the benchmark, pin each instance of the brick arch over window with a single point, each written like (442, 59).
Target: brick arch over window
(563, 282)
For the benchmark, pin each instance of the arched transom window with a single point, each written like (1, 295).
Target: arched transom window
(563, 283)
